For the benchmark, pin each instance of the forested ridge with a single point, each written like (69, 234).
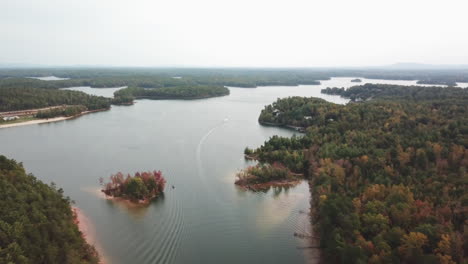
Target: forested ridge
(240, 77)
(19, 95)
(392, 92)
(157, 78)
(156, 83)
(388, 176)
(180, 92)
(36, 221)
(12, 99)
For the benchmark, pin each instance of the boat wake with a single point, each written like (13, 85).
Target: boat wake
(200, 169)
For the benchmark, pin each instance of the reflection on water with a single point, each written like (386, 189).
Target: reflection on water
(273, 212)
(49, 78)
(106, 92)
(137, 210)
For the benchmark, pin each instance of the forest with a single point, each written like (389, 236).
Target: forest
(36, 221)
(19, 91)
(12, 99)
(388, 175)
(157, 78)
(26, 93)
(415, 93)
(61, 111)
(179, 92)
(238, 77)
(141, 187)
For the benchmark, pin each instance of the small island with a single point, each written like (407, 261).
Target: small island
(263, 176)
(356, 80)
(141, 188)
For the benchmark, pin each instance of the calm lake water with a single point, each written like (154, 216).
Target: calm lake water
(49, 78)
(106, 92)
(198, 145)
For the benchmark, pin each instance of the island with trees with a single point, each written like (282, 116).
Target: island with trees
(140, 188)
(388, 176)
(37, 224)
(357, 80)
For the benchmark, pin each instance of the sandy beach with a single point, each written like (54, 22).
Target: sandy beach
(49, 120)
(89, 233)
(38, 121)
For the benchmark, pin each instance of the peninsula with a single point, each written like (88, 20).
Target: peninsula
(37, 221)
(387, 171)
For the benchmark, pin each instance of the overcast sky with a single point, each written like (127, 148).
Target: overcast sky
(233, 32)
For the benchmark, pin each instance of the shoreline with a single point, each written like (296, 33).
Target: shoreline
(295, 128)
(128, 202)
(88, 232)
(50, 120)
(266, 185)
(179, 98)
(314, 239)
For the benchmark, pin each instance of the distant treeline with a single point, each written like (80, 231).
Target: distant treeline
(240, 77)
(247, 80)
(184, 82)
(417, 93)
(389, 175)
(179, 92)
(37, 222)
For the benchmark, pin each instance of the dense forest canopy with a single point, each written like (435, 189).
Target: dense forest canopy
(61, 111)
(166, 79)
(186, 83)
(242, 77)
(36, 221)
(180, 92)
(389, 176)
(28, 98)
(415, 93)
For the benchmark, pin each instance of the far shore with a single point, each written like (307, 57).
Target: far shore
(49, 120)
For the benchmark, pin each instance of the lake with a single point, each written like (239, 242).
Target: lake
(198, 145)
(106, 92)
(49, 78)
